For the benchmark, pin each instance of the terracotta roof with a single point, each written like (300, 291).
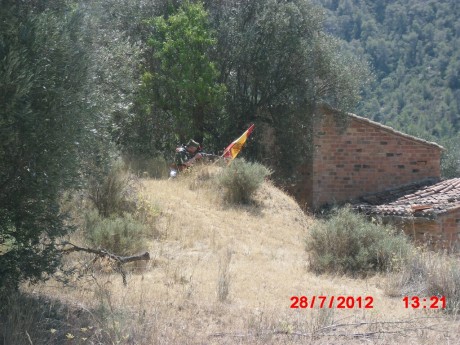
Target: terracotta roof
(422, 199)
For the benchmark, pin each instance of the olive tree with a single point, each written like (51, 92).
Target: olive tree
(60, 86)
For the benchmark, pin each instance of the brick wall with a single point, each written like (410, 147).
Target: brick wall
(422, 230)
(441, 232)
(450, 227)
(361, 158)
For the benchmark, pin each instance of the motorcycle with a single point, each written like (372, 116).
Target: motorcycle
(174, 169)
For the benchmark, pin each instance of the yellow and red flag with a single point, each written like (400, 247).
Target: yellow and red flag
(235, 147)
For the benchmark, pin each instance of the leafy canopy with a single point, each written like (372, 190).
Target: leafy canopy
(413, 48)
(183, 81)
(60, 83)
(42, 71)
(278, 64)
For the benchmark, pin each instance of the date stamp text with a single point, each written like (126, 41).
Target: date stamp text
(338, 302)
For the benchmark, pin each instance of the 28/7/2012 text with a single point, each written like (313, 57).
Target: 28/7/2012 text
(339, 302)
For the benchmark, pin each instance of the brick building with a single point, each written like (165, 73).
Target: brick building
(383, 172)
(359, 157)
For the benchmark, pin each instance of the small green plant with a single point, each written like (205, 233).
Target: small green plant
(348, 243)
(119, 235)
(241, 179)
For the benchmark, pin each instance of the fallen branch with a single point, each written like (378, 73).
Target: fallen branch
(119, 260)
(303, 334)
(362, 323)
(321, 332)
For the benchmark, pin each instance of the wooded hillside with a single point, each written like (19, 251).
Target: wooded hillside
(414, 49)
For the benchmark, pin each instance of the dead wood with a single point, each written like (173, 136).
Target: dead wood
(322, 332)
(102, 253)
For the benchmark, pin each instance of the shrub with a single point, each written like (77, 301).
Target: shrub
(119, 235)
(114, 193)
(38, 320)
(348, 243)
(241, 179)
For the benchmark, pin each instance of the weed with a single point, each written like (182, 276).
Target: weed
(223, 283)
(146, 166)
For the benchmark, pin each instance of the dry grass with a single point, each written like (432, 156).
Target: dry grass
(428, 273)
(224, 274)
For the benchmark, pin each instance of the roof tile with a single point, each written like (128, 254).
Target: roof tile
(427, 198)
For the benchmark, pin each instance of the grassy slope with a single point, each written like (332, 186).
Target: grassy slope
(174, 300)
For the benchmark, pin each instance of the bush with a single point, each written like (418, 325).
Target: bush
(241, 179)
(114, 194)
(348, 243)
(119, 235)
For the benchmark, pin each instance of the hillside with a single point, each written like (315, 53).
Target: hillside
(258, 253)
(85, 83)
(413, 50)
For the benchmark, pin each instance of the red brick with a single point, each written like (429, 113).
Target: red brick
(371, 165)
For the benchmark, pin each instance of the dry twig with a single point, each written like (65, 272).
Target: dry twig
(102, 253)
(333, 327)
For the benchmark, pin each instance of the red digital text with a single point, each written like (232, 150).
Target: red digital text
(337, 302)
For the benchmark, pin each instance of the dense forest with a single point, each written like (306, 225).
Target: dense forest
(414, 49)
(84, 82)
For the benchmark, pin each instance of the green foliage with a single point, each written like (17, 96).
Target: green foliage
(122, 217)
(146, 166)
(240, 179)
(415, 58)
(348, 243)
(43, 69)
(184, 80)
(60, 84)
(119, 193)
(121, 235)
(117, 54)
(274, 60)
(450, 160)
(278, 64)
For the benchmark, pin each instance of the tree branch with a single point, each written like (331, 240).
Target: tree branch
(332, 328)
(120, 260)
